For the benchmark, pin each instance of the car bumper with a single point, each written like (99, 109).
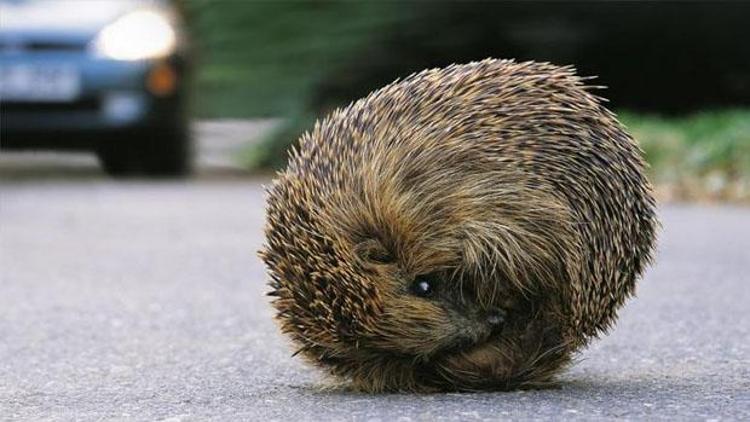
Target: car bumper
(113, 96)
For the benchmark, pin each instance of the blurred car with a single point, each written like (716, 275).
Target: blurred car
(105, 75)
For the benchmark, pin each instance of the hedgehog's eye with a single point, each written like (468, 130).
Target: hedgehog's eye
(423, 285)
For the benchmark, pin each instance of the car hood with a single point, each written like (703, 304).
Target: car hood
(65, 17)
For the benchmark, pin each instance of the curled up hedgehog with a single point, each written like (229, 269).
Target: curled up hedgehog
(466, 228)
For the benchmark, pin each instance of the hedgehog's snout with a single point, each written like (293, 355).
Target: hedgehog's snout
(490, 322)
(478, 327)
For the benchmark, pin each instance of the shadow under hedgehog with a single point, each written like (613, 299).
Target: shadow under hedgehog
(466, 228)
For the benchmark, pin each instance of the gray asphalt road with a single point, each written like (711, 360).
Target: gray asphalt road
(139, 301)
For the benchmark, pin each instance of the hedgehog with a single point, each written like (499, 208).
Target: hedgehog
(466, 228)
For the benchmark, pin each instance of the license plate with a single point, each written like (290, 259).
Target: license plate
(48, 82)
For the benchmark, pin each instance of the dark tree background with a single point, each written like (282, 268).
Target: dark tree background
(652, 56)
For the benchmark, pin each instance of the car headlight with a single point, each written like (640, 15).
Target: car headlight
(138, 35)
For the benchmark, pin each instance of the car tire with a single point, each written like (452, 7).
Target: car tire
(154, 153)
(119, 160)
(169, 153)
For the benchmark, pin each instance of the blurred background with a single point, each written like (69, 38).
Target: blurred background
(251, 76)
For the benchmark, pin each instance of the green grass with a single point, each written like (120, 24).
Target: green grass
(701, 156)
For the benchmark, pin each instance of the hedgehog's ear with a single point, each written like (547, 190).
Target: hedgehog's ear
(373, 252)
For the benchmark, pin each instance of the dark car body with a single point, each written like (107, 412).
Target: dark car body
(58, 92)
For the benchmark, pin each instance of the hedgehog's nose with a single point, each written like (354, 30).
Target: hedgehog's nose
(495, 318)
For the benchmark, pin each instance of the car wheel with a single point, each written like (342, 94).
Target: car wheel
(119, 160)
(154, 153)
(168, 153)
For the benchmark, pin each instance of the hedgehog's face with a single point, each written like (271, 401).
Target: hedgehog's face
(427, 314)
(446, 327)
(429, 310)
